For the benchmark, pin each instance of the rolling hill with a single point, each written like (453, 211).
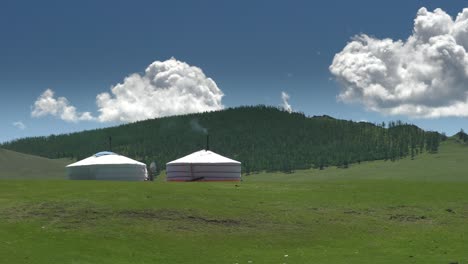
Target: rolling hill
(263, 138)
(14, 165)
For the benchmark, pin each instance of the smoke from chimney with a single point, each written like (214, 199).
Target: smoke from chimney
(197, 127)
(286, 106)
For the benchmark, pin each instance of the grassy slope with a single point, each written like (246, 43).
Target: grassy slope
(405, 212)
(14, 165)
(450, 164)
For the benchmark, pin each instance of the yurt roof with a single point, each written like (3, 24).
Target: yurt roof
(204, 156)
(105, 158)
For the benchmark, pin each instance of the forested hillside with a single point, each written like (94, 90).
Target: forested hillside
(261, 137)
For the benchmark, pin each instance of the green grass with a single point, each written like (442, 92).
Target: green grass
(410, 211)
(450, 164)
(14, 165)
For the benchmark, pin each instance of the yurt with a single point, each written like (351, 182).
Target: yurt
(107, 166)
(203, 165)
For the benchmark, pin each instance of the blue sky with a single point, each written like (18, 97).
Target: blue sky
(253, 50)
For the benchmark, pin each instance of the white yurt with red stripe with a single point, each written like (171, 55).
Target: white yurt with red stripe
(203, 165)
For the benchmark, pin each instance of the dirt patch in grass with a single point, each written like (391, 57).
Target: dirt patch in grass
(450, 210)
(352, 212)
(59, 214)
(407, 218)
(43, 210)
(168, 214)
(402, 214)
(366, 211)
(78, 215)
(224, 222)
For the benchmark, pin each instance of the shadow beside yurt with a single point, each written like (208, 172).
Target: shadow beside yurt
(107, 166)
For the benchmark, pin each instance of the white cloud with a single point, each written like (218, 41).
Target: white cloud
(166, 88)
(286, 105)
(47, 104)
(20, 125)
(424, 76)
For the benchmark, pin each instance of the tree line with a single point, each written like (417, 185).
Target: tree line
(263, 138)
(462, 136)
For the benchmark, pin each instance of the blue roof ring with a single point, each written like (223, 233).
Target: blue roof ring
(104, 153)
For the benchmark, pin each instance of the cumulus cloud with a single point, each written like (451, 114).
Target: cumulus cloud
(166, 88)
(20, 125)
(47, 104)
(423, 76)
(286, 105)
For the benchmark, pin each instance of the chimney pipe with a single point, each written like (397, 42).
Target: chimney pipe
(110, 143)
(207, 142)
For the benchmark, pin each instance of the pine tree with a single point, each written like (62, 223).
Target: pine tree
(261, 137)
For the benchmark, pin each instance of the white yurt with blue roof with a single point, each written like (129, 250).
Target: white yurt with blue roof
(107, 166)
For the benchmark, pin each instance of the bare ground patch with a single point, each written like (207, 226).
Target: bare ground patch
(77, 215)
(407, 218)
(170, 214)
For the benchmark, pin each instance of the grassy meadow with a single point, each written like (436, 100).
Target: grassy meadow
(14, 165)
(410, 211)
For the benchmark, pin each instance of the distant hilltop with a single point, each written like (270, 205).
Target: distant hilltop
(261, 137)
